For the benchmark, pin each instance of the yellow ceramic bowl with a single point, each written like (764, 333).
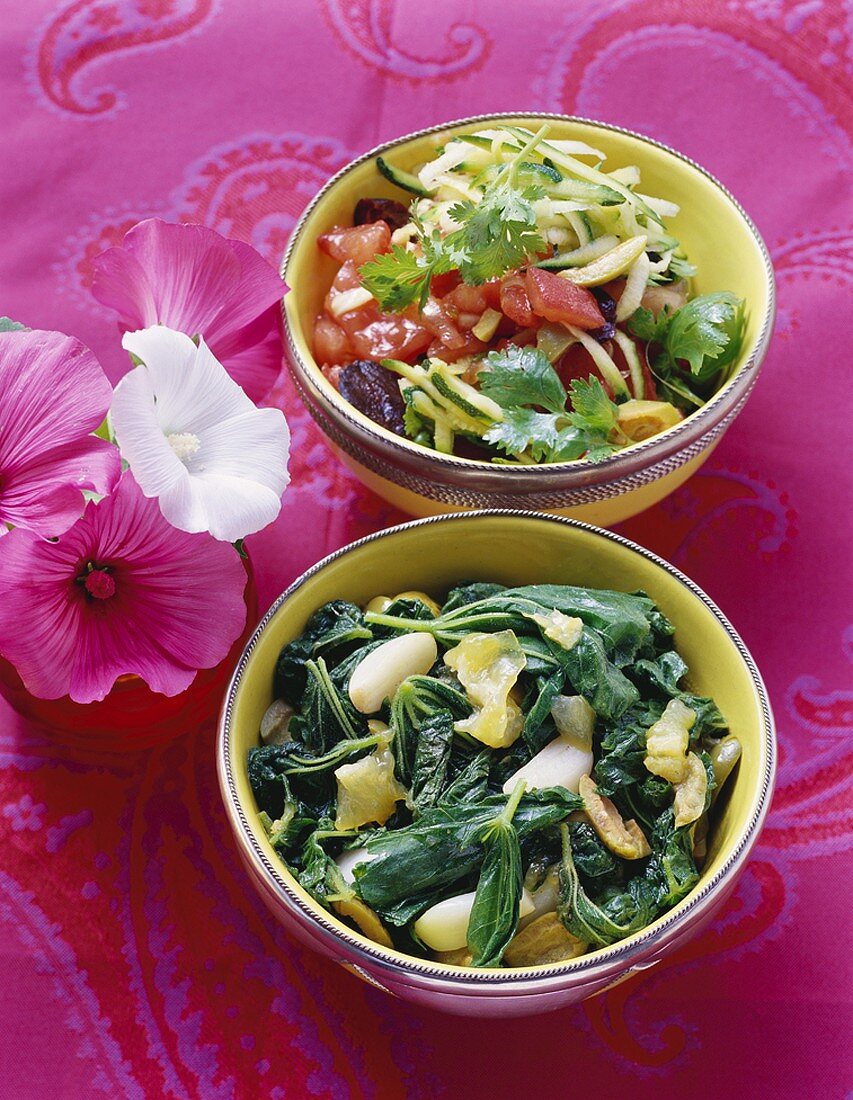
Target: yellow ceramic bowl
(513, 548)
(719, 238)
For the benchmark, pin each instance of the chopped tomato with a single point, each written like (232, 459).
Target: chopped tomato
(492, 291)
(470, 346)
(557, 299)
(443, 284)
(330, 342)
(346, 279)
(515, 302)
(390, 336)
(467, 299)
(615, 288)
(359, 243)
(436, 318)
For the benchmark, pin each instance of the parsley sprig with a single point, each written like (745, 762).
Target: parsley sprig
(495, 235)
(523, 382)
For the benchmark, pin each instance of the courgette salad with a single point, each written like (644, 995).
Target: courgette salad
(528, 306)
(511, 779)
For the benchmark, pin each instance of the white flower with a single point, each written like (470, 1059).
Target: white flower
(193, 439)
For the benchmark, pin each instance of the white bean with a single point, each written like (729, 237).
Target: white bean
(444, 926)
(346, 861)
(559, 764)
(378, 676)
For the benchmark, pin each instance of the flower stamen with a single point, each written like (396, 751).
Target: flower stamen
(184, 444)
(97, 582)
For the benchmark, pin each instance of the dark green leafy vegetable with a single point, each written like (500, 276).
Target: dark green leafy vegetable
(494, 915)
(326, 715)
(456, 831)
(432, 758)
(332, 628)
(591, 858)
(444, 845)
(617, 916)
(418, 698)
(472, 592)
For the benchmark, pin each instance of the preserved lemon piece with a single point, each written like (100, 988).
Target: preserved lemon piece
(365, 918)
(625, 838)
(667, 741)
(562, 629)
(640, 420)
(545, 940)
(488, 666)
(368, 790)
(690, 793)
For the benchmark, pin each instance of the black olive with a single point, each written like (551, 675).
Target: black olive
(394, 214)
(606, 303)
(373, 390)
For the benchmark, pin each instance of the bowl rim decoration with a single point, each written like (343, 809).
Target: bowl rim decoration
(340, 941)
(480, 483)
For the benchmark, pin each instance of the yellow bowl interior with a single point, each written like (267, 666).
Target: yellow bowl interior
(716, 236)
(513, 550)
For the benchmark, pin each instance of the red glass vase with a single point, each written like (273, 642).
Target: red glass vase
(132, 716)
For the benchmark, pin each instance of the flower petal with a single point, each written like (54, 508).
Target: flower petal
(232, 485)
(190, 278)
(53, 394)
(178, 604)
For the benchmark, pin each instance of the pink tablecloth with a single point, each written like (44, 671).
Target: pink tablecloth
(134, 958)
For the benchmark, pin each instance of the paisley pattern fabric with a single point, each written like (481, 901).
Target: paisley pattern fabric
(137, 961)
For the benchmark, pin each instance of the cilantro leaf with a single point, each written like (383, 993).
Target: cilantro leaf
(398, 278)
(646, 326)
(522, 376)
(524, 429)
(497, 234)
(709, 327)
(592, 410)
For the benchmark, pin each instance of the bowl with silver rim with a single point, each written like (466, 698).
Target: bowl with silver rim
(512, 548)
(720, 240)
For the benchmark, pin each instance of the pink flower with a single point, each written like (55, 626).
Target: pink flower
(121, 592)
(190, 278)
(53, 394)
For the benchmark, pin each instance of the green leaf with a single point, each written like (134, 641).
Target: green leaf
(642, 323)
(494, 914)
(497, 234)
(710, 328)
(8, 325)
(522, 376)
(398, 278)
(326, 715)
(592, 410)
(606, 922)
(432, 757)
(521, 429)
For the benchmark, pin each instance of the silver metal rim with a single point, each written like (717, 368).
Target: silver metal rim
(599, 963)
(563, 484)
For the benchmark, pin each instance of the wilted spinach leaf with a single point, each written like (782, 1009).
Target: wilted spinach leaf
(432, 757)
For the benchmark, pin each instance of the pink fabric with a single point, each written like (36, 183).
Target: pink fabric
(136, 959)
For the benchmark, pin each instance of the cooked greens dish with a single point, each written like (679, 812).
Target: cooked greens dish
(511, 779)
(529, 303)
